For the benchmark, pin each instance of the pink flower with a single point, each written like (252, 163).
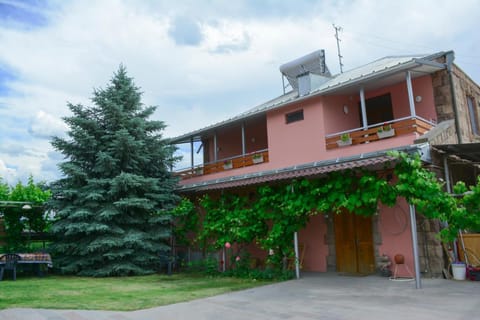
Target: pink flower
(237, 258)
(227, 245)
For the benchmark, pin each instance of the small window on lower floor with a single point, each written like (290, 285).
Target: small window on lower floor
(294, 116)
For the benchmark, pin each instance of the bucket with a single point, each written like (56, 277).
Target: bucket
(459, 270)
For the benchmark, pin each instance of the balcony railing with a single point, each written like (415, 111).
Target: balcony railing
(371, 133)
(226, 164)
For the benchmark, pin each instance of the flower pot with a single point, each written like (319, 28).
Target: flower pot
(257, 159)
(227, 166)
(459, 270)
(386, 134)
(343, 143)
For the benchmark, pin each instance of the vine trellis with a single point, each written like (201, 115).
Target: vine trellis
(276, 212)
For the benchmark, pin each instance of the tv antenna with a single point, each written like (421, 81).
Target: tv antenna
(337, 29)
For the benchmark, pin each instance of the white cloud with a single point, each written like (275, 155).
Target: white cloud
(8, 175)
(230, 66)
(45, 125)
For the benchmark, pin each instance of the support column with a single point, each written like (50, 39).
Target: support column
(363, 108)
(191, 153)
(416, 259)
(215, 152)
(411, 100)
(297, 259)
(243, 139)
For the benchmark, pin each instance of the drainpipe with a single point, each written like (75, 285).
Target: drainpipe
(450, 57)
(364, 110)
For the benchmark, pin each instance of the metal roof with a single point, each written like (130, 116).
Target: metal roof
(371, 161)
(466, 151)
(390, 69)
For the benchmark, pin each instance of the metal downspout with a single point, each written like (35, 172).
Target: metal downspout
(450, 57)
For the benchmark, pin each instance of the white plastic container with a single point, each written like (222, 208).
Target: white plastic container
(459, 270)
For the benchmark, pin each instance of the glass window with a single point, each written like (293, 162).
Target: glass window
(294, 116)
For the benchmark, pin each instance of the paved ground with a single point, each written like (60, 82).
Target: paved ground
(319, 296)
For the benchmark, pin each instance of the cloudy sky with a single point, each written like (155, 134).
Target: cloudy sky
(198, 61)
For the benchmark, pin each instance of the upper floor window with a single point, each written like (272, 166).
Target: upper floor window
(472, 111)
(294, 116)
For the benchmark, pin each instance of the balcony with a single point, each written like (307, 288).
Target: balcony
(371, 134)
(226, 164)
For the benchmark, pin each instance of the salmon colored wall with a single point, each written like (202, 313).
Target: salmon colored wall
(316, 251)
(422, 86)
(256, 135)
(229, 142)
(335, 120)
(394, 229)
(296, 142)
(304, 141)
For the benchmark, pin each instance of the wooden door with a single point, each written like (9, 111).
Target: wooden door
(354, 243)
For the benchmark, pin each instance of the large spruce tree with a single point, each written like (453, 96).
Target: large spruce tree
(112, 202)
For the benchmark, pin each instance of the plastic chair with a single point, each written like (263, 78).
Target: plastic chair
(11, 260)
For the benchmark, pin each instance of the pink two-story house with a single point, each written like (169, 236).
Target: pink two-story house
(326, 123)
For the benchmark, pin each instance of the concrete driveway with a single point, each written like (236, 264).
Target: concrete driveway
(315, 296)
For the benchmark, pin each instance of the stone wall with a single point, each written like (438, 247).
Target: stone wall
(463, 87)
(430, 250)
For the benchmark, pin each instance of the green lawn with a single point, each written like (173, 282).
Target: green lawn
(128, 293)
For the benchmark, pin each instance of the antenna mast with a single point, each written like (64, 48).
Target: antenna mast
(338, 28)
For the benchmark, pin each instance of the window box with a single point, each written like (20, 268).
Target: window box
(227, 165)
(385, 133)
(257, 158)
(345, 140)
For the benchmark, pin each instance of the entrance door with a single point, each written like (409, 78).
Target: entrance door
(379, 109)
(354, 243)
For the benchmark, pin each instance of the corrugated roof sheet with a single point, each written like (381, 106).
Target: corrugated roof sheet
(307, 172)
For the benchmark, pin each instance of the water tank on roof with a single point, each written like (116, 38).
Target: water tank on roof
(307, 72)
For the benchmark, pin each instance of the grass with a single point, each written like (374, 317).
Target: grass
(121, 294)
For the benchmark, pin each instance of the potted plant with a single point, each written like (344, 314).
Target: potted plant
(198, 171)
(385, 131)
(227, 164)
(345, 140)
(257, 158)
